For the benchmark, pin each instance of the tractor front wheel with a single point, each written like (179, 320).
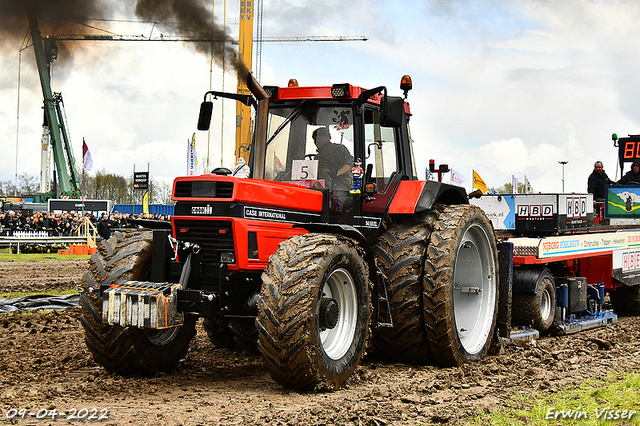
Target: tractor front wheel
(314, 311)
(128, 350)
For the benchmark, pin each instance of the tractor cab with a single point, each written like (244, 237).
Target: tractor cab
(351, 144)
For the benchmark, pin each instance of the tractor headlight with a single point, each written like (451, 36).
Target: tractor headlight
(227, 257)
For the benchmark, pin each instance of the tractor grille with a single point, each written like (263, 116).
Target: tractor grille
(214, 236)
(203, 189)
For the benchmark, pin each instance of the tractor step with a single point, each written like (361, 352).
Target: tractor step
(142, 304)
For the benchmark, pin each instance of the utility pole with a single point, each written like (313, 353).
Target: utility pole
(563, 163)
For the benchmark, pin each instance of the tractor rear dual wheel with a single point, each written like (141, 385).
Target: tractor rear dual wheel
(128, 350)
(313, 311)
(460, 296)
(399, 254)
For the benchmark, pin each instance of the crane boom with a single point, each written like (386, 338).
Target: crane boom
(141, 37)
(54, 116)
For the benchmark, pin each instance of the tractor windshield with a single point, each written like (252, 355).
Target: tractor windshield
(310, 145)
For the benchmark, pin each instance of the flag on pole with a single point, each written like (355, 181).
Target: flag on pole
(277, 164)
(87, 161)
(478, 183)
(457, 178)
(192, 157)
(145, 203)
(527, 185)
(515, 184)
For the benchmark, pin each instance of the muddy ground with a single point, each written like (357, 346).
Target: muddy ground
(44, 364)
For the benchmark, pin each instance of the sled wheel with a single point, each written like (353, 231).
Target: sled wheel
(535, 309)
(626, 300)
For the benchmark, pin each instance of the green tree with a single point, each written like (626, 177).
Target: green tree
(507, 188)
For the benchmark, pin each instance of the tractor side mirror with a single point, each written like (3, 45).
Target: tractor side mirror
(204, 120)
(392, 114)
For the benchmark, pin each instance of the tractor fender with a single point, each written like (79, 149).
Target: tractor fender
(414, 196)
(350, 232)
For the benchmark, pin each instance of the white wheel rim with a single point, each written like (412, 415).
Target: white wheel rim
(545, 304)
(475, 286)
(337, 340)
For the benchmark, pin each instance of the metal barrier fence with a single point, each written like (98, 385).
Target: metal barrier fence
(85, 233)
(40, 241)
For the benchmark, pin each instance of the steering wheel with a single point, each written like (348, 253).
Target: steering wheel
(310, 156)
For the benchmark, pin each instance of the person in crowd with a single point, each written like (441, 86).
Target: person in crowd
(10, 222)
(104, 227)
(597, 181)
(632, 176)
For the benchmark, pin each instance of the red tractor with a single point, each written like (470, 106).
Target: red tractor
(297, 263)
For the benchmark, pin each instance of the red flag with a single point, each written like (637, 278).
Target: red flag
(86, 157)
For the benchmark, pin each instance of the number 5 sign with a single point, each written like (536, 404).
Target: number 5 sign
(304, 170)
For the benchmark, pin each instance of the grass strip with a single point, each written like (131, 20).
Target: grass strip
(11, 295)
(8, 257)
(613, 400)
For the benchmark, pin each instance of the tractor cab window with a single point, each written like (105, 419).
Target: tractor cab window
(380, 149)
(310, 146)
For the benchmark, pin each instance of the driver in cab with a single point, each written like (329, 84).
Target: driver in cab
(334, 159)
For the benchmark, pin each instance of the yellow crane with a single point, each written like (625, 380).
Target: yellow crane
(245, 46)
(243, 112)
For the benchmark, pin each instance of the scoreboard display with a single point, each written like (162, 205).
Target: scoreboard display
(629, 149)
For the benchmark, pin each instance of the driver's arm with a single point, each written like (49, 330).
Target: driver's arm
(344, 169)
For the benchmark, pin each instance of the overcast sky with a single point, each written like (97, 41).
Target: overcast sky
(502, 87)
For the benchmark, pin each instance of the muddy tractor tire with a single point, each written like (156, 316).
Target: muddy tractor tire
(218, 331)
(314, 311)
(237, 333)
(460, 296)
(128, 350)
(626, 300)
(399, 254)
(535, 309)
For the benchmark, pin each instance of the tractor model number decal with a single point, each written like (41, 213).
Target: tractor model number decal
(367, 222)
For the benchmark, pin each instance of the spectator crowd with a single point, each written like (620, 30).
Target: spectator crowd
(66, 224)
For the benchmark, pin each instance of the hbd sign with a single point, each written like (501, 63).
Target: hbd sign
(141, 180)
(576, 207)
(535, 210)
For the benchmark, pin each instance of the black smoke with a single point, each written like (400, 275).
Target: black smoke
(55, 17)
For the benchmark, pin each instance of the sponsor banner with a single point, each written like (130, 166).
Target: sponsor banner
(588, 243)
(626, 266)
